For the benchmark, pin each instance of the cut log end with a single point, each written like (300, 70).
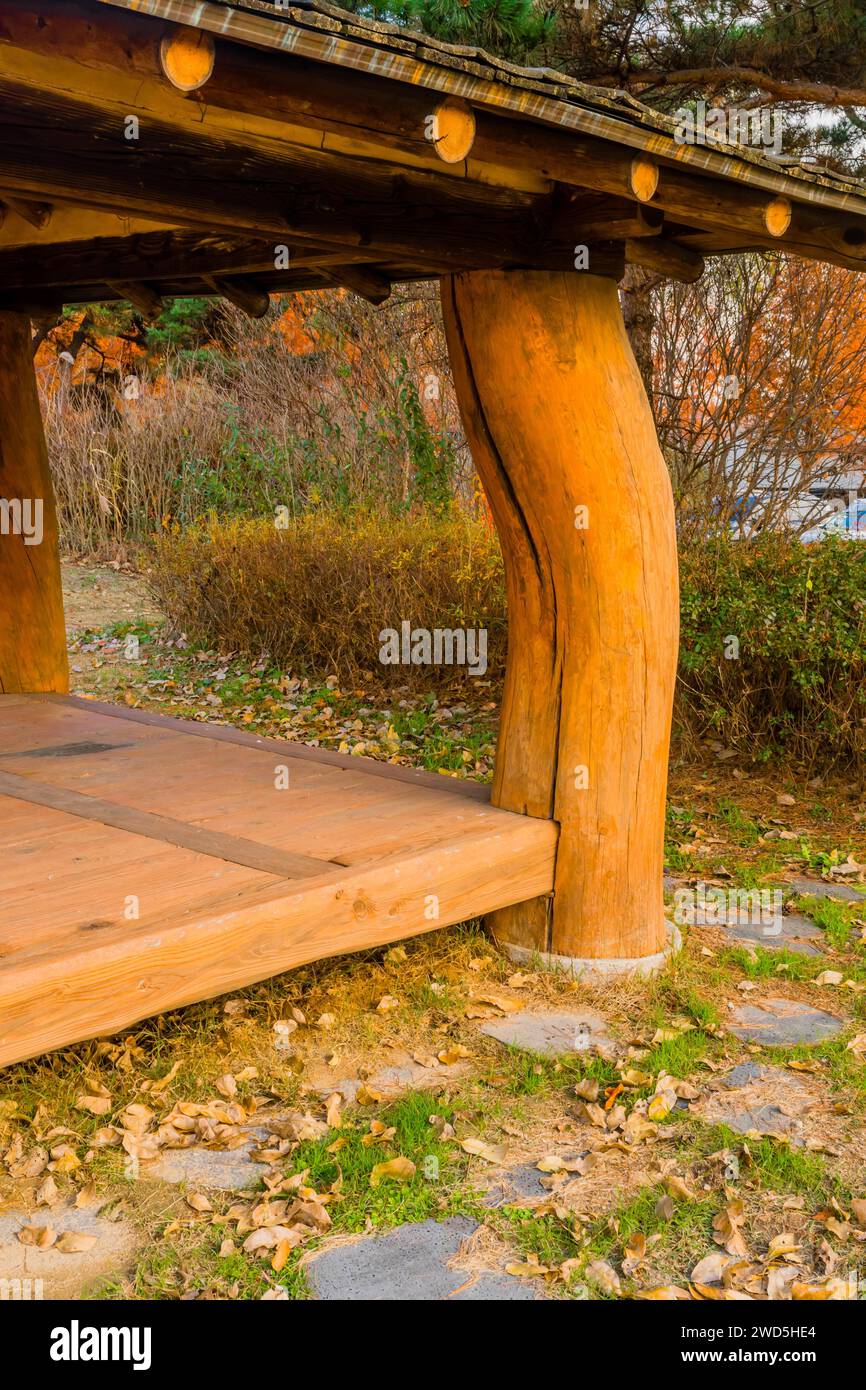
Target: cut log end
(644, 178)
(777, 216)
(187, 58)
(453, 130)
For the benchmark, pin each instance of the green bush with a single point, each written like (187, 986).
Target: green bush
(773, 646)
(772, 653)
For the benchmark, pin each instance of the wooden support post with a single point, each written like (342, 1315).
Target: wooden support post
(32, 630)
(563, 438)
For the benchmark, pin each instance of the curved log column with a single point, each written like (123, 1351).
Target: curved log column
(32, 631)
(563, 438)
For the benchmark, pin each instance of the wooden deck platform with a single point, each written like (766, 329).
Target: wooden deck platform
(148, 862)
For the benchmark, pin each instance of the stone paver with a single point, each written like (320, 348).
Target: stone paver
(62, 1275)
(795, 933)
(785, 931)
(554, 1034)
(819, 888)
(408, 1264)
(783, 1023)
(753, 1097)
(744, 1073)
(224, 1170)
(393, 1080)
(516, 1183)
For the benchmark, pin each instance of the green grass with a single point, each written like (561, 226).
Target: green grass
(391, 1203)
(759, 963)
(681, 1239)
(740, 827)
(176, 1267)
(548, 1237)
(677, 1056)
(775, 1166)
(836, 919)
(531, 1073)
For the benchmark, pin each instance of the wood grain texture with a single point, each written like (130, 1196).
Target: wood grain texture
(49, 1001)
(32, 631)
(230, 848)
(227, 733)
(191, 828)
(563, 438)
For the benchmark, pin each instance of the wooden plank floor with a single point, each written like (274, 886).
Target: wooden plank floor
(147, 862)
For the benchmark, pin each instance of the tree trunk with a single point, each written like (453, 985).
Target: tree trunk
(563, 439)
(636, 289)
(32, 630)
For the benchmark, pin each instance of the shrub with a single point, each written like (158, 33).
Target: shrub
(317, 594)
(793, 679)
(772, 654)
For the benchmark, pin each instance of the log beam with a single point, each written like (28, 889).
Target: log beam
(563, 438)
(667, 258)
(32, 630)
(320, 109)
(247, 297)
(142, 297)
(36, 215)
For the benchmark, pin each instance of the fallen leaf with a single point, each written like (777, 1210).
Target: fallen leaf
(587, 1089)
(678, 1189)
(594, 1113)
(397, 1169)
(726, 1225)
(634, 1252)
(74, 1242)
(604, 1275)
(499, 1001)
(491, 1153)
(710, 1269)
(368, 1095)
(661, 1105)
(531, 1270)
(163, 1081)
(47, 1193)
(554, 1163)
(782, 1244)
(41, 1236)
(667, 1293)
(281, 1254)
(829, 977)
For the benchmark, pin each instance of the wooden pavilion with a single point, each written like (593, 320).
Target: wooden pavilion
(153, 148)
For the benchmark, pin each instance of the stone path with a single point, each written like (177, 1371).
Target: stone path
(409, 1264)
(783, 1023)
(790, 932)
(65, 1275)
(223, 1170)
(819, 888)
(554, 1034)
(785, 931)
(754, 1098)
